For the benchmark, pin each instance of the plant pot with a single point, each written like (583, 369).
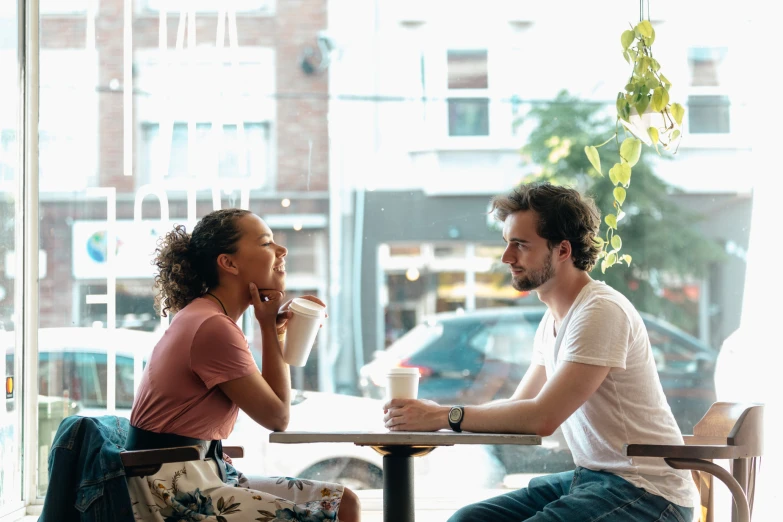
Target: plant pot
(638, 125)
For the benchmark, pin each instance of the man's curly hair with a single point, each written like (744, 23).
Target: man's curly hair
(186, 262)
(563, 215)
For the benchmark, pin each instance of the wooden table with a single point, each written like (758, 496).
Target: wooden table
(398, 449)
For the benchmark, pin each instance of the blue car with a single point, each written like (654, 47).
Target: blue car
(475, 357)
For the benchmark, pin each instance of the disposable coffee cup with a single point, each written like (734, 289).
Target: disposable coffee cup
(402, 383)
(303, 326)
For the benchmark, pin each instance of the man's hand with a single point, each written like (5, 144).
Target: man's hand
(415, 415)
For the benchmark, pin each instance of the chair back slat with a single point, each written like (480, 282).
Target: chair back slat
(739, 424)
(719, 420)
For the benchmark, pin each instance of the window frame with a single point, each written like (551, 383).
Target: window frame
(739, 117)
(27, 239)
(260, 173)
(261, 7)
(719, 90)
(258, 105)
(499, 89)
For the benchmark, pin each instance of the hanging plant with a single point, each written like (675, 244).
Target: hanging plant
(643, 111)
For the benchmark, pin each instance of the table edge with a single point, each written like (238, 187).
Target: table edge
(404, 438)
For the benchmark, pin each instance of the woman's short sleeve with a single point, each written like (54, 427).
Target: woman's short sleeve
(220, 352)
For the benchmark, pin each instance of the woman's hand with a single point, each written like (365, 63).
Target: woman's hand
(284, 314)
(265, 304)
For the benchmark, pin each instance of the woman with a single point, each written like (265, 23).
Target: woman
(201, 373)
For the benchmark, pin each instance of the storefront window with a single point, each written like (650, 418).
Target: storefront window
(302, 114)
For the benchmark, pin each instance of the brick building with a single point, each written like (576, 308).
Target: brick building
(84, 142)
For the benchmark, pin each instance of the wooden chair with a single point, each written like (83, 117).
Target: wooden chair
(727, 431)
(141, 463)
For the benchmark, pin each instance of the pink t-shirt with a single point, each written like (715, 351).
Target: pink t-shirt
(178, 394)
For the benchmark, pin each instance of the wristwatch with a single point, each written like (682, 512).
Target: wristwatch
(456, 414)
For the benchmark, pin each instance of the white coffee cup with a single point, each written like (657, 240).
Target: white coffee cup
(402, 383)
(306, 319)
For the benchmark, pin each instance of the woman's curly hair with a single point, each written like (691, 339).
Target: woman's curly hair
(186, 262)
(563, 215)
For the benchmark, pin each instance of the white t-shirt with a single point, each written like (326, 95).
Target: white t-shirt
(603, 328)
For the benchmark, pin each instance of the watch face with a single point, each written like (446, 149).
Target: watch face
(455, 414)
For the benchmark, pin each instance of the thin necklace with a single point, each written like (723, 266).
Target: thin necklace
(219, 301)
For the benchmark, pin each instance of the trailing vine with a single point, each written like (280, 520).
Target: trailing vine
(644, 98)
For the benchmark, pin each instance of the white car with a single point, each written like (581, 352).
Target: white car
(72, 364)
(358, 467)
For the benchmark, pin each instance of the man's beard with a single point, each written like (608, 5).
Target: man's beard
(532, 280)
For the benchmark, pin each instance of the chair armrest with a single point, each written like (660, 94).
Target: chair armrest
(234, 452)
(136, 458)
(685, 451)
(694, 440)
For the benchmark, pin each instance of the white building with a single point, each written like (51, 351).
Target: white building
(424, 96)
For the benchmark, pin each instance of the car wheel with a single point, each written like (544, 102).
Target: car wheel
(352, 473)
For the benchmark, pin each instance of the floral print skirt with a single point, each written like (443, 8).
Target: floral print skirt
(193, 491)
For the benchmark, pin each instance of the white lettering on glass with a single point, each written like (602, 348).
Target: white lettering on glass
(158, 191)
(110, 297)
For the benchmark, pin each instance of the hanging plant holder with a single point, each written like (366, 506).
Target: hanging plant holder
(646, 114)
(639, 126)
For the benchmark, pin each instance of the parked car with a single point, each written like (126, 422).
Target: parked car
(475, 357)
(72, 380)
(72, 376)
(72, 364)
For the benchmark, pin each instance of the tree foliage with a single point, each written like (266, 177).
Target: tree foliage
(659, 235)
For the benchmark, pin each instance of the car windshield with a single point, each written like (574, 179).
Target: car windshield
(415, 340)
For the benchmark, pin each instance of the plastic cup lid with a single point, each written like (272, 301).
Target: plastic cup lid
(307, 307)
(403, 371)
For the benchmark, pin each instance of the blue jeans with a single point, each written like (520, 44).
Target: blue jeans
(581, 495)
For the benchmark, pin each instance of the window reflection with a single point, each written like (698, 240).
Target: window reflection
(242, 152)
(367, 171)
(709, 105)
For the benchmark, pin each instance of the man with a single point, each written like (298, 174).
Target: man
(592, 374)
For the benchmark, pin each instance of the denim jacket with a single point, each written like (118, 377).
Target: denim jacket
(86, 477)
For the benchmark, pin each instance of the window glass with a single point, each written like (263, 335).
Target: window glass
(243, 150)
(468, 116)
(207, 6)
(709, 104)
(10, 264)
(705, 64)
(370, 141)
(467, 69)
(508, 341)
(709, 114)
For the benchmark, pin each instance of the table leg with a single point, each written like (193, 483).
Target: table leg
(398, 494)
(398, 499)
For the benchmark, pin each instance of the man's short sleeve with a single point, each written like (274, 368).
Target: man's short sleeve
(220, 352)
(599, 334)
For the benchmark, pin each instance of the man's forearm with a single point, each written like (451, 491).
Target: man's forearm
(507, 416)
